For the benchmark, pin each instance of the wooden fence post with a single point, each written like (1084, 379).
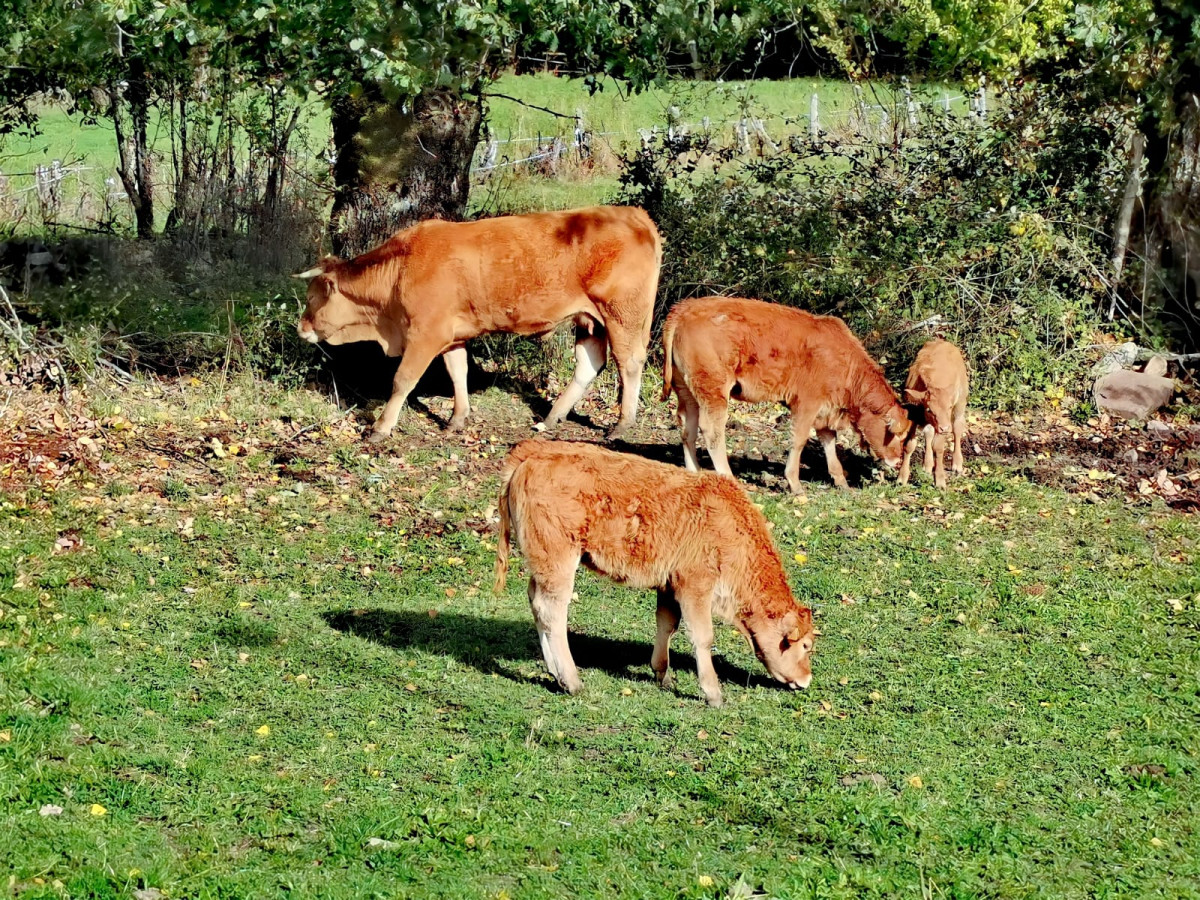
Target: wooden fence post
(814, 121)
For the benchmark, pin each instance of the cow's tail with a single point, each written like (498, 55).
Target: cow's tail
(503, 543)
(668, 341)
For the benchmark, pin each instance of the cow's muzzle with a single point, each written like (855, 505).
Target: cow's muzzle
(306, 333)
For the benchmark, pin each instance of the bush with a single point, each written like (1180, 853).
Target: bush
(985, 234)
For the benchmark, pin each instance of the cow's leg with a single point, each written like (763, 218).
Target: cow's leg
(802, 423)
(939, 460)
(667, 616)
(591, 353)
(417, 357)
(456, 365)
(713, 416)
(629, 353)
(689, 424)
(929, 434)
(697, 616)
(549, 599)
(906, 466)
(828, 438)
(960, 435)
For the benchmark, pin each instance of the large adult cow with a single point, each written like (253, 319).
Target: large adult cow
(429, 289)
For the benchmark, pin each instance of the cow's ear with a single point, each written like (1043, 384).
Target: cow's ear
(791, 623)
(912, 395)
(897, 423)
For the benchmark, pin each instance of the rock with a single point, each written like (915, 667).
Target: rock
(1132, 395)
(1156, 366)
(1158, 429)
(1119, 357)
(1130, 456)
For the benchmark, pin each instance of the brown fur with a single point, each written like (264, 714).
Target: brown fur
(937, 386)
(432, 287)
(718, 347)
(696, 538)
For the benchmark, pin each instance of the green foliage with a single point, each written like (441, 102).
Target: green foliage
(987, 233)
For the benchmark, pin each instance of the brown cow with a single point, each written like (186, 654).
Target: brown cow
(694, 537)
(432, 287)
(721, 347)
(937, 386)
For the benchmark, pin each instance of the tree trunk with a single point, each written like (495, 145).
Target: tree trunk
(133, 151)
(1124, 223)
(397, 166)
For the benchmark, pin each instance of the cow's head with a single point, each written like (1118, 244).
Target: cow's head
(939, 411)
(328, 312)
(886, 433)
(784, 645)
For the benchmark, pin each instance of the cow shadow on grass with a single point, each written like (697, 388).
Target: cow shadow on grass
(492, 645)
(758, 469)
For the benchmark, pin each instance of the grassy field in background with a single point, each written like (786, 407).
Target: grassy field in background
(612, 114)
(241, 655)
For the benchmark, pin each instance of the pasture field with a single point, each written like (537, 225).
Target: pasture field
(243, 655)
(612, 114)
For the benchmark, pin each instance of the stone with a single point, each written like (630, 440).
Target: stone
(1121, 356)
(1132, 395)
(1156, 366)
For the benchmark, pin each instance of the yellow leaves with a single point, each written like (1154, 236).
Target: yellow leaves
(801, 558)
(263, 730)
(469, 840)
(98, 810)
(454, 561)
(217, 448)
(1156, 842)
(705, 881)
(702, 735)
(626, 692)
(199, 664)
(875, 696)
(916, 782)
(410, 687)
(5, 737)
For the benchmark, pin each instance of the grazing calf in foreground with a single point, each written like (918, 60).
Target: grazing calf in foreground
(429, 289)
(694, 537)
(937, 388)
(721, 347)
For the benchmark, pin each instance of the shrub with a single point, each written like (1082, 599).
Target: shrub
(985, 234)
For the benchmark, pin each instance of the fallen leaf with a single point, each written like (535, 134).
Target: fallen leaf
(705, 881)
(702, 735)
(865, 778)
(916, 782)
(801, 558)
(148, 894)
(263, 730)
(98, 810)
(50, 809)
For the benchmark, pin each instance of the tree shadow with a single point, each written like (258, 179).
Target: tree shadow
(487, 644)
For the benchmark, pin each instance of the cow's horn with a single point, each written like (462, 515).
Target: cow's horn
(794, 635)
(310, 274)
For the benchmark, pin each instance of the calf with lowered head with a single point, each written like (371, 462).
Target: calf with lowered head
(937, 389)
(695, 537)
(715, 348)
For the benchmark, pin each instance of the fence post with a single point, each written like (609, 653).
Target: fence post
(646, 135)
(860, 110)
(945, 102)
(909, 105)
(981, 102)
(764, 139)
(489, 155)
(885, 122)
(582, 141)
(814, 120)
(742, 135)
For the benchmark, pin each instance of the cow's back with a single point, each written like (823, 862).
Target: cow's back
(770, 352)
(525, 274)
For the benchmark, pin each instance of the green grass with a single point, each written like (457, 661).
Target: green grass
(1004, 701)
(612, 113)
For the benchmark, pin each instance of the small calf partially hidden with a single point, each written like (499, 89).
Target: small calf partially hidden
(937, 386)
(695, 537)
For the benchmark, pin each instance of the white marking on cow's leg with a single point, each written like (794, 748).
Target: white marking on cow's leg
(712, 424)
(689, 425)
(591, 354)
(802, 421)
(697, 616)
(928, 432)
(413, 365)
(667, 617)
(456, 365)
(960, 434)
(549, 603)
(828, 439)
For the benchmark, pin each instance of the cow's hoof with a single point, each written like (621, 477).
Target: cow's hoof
(378, 437)
(456, 425)
(539, 427)
(617, 433)
(716, 702)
